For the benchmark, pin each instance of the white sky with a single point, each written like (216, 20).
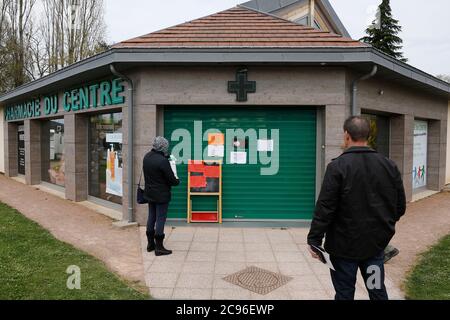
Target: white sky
(426, 28)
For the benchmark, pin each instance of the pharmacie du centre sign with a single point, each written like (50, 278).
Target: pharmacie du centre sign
(105, 93)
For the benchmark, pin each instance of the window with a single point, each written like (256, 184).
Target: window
(21, 148)
(52, 152)
(379, 133)
(105, 157)
(420, 155)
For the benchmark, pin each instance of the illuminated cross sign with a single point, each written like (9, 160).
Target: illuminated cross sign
(241, 87)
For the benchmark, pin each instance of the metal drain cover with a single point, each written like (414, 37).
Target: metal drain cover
(258, 280)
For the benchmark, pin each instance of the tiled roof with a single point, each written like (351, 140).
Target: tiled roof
(239, 27)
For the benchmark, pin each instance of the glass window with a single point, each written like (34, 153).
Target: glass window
(420, 155)
(52, 153)
(21, 148)
(105, 157)
(379, 133)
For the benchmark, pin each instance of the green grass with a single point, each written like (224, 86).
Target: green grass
(33, 266)
(430, 278)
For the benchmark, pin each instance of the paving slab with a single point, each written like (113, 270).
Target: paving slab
(226, 251)
(203, 256)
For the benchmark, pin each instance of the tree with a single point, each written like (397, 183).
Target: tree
(16, 28)
(67, 31)
(21, 30)
(383, 33)
(72, 30)
(4, 63)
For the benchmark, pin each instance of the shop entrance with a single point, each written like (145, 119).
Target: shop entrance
(53, 152)
(269, 177)
(105, 157)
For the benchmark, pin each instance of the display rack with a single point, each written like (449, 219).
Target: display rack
(210, 173)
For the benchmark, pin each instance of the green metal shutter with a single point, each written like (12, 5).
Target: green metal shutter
(247, 195)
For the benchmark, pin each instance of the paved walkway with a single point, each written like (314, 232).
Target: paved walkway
(79, 226)
(204, 255)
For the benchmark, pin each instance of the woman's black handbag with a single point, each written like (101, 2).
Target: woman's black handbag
(140, 198)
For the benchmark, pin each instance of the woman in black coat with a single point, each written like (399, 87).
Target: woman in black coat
(159, 179)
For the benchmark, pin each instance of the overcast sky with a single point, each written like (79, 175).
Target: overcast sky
(426, 28)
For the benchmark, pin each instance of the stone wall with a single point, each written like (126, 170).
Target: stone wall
(207, 86)
(403, 105)
(328, 88)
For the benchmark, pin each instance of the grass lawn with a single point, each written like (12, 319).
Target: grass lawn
(33, 266)
(430, 279)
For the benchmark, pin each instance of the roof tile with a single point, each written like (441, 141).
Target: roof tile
(239, 27)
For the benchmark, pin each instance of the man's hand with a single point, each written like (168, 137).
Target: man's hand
(313, 254)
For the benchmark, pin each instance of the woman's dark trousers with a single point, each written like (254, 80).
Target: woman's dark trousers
(157, 216)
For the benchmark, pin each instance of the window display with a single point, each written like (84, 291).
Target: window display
(420, 165)
(105, 157)
(52, 144)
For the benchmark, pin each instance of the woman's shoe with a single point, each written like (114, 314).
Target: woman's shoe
(160, 250)
(151, 241)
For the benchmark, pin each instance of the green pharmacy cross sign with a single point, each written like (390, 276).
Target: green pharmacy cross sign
(105, 93)
(241, 87)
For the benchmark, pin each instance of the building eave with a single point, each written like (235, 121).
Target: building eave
(335, 18)
(348, 56)
(273, 6)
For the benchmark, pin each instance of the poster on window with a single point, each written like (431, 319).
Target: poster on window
(114, 167)
(420, 154)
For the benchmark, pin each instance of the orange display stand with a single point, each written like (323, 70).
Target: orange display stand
(205, 180)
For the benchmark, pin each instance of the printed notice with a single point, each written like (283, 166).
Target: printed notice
(216, 151)
(114, 137)
(324, 257)
(114, 172)
(420, 154)
(173, 165)
(265, 145)
(238, 158)
(217, 139)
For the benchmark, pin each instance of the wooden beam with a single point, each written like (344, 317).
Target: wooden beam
(312, 12)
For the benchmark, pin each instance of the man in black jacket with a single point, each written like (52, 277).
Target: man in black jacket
(159, 179)
(361, 200)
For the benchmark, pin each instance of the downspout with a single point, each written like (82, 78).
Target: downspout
(130, 150)
(355, 89)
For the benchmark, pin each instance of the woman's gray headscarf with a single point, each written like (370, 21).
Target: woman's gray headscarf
(162, 145)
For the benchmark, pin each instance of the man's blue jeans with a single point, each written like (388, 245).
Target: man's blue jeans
(157, 216)
(372, 271)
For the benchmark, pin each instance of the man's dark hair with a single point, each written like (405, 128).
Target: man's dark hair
(358, 128)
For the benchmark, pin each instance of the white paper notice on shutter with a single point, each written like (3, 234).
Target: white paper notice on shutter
(216, 151)
(265, 145)
(238, 157)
